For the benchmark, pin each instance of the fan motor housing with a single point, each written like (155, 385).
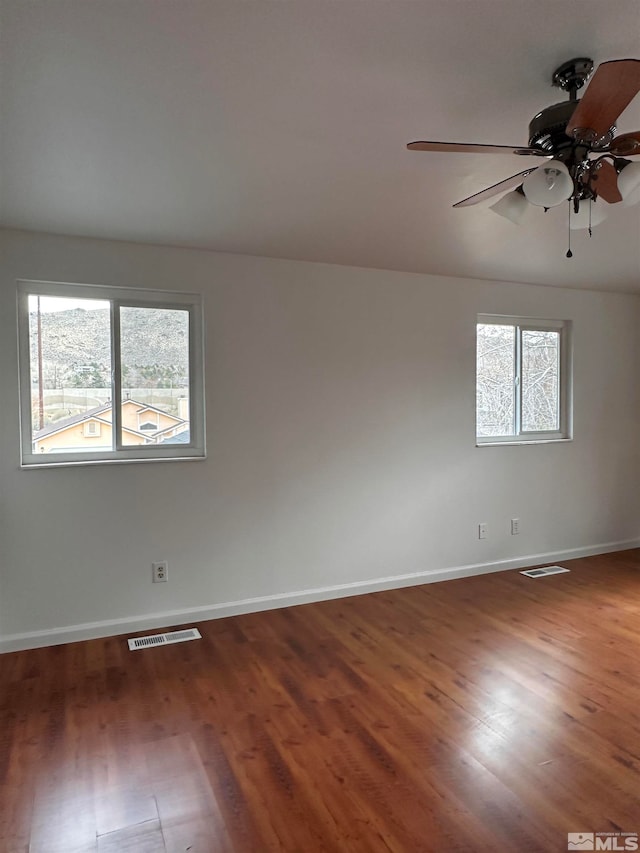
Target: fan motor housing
(547, 128)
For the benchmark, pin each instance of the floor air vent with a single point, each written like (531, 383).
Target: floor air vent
(164, 639)
(547, 570)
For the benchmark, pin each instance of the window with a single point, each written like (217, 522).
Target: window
(107, 373)
(522, 380)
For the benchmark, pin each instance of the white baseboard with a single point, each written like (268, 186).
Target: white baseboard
(133, 624)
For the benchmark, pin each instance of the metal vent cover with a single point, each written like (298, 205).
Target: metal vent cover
(546, 570)
(164, 639)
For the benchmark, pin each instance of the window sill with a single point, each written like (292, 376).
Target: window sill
(523, 442)
(26, 466)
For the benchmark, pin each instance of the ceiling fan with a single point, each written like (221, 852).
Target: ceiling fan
(583, 158)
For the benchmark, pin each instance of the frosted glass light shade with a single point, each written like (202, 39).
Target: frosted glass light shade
(513, 206)
(548, 185)
(629, 184)
(599, 212)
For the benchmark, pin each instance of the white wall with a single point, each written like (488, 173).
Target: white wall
(341, 445)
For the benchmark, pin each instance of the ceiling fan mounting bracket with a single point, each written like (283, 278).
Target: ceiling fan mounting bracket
(573, 74)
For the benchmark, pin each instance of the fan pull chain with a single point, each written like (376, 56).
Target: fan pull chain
(590, 206)
(569, 252)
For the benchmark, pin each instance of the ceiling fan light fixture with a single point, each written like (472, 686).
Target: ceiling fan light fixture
(512, 206)
(629, 183)
(589, 214)
(548, 185)
(586, 164)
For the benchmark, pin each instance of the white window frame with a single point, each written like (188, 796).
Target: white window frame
(118, 297)
(565, 396)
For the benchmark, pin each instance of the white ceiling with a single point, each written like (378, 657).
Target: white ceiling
(278, 127)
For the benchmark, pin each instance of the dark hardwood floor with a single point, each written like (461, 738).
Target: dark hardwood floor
(495, 713)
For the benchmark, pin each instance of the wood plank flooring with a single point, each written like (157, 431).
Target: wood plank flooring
(495, 713)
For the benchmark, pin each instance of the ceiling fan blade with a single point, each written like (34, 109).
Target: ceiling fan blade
(612, 88)
(470, 148)
(508, 184)
(626, 145)
(606, 182)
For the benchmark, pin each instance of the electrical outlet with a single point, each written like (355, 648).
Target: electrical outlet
(482, 530)
(515, 526)
(160, 572)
